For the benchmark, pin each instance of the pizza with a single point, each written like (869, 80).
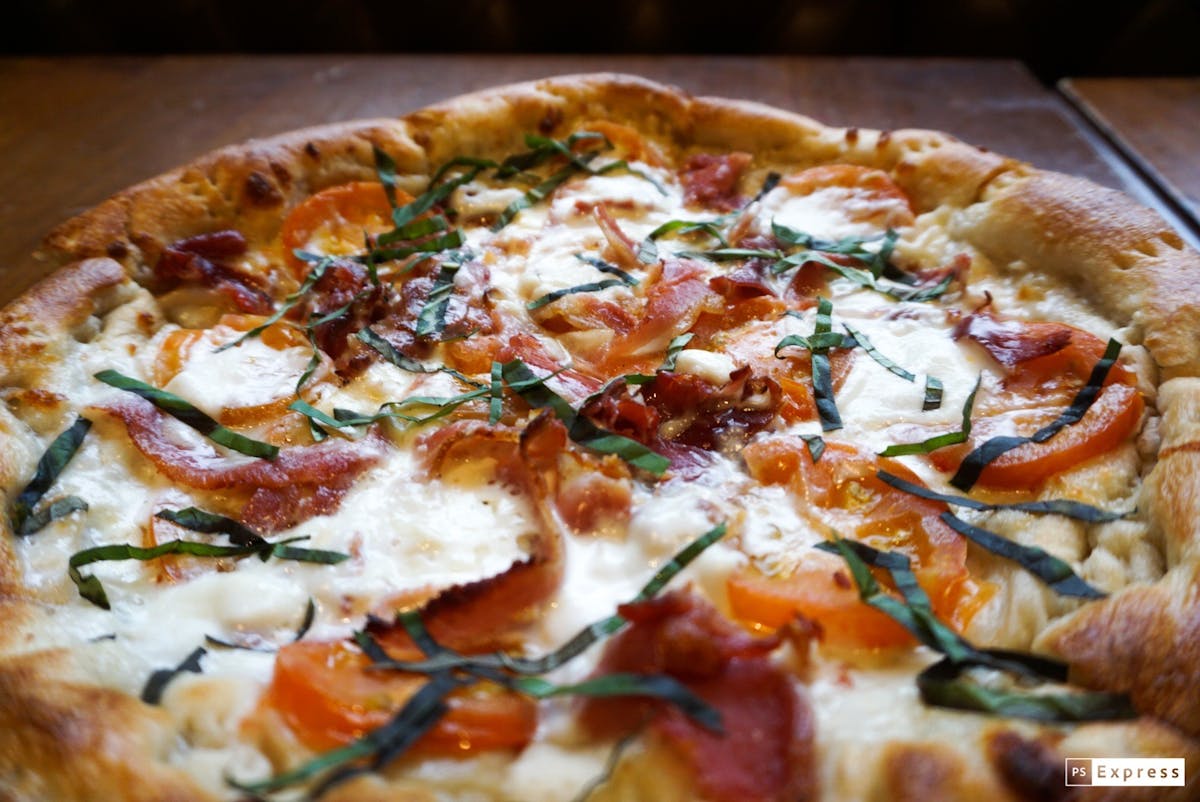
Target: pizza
(586, 440)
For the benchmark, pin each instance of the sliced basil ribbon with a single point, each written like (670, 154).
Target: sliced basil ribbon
(1057, 574)
(1066, 507)
(947, 683)
(185, 412)
(24, 517)
(157, 683)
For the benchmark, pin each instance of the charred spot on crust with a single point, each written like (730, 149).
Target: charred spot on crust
(311, 150)
(1030, 769)
(117, 250)
(261, 192)
(282, 176)
(550, 120)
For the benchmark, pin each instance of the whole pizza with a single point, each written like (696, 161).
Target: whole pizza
(585, 440)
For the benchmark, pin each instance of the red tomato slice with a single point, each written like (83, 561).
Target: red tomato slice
(1046, 385)
(340, 214)
(328, 697)
(843, 483)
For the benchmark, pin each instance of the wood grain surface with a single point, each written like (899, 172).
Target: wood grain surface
(74, 131)
(1155, 122)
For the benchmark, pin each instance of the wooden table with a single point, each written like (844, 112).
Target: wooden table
(1155, 123)
(73, 131)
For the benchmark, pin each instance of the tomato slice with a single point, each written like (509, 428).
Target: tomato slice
(338, 216)
(843, 485)
(1043, 387)
(329, 698)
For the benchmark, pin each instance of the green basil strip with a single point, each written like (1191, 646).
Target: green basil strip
(915, 613)
(816, 446)
(577, 645)
(289, 303)
(309, 369)
(418, 716)
(91, 589)
(210, 523)
(541, 149)
(553, 296)
(933, 393)
(654, 686)
(1056, 573)
(388, 352)
(677, 344)
(973, 464)
(648, 249)
(534, 391)
(873, 352)
(433, 315)
(496, 404)
(450, 240)
(436, 193)
(59, 508)
(385, 168)
(605, 267)
(157, 683)
(51, 464)
(921, 294)
(183, 411)
(822, 374)
(543, 190)
(421, 227)
(941, 440)
(1065, 507)
(944, 684)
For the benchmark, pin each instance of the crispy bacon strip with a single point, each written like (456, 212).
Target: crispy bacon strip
(333, 461)
(766, 753)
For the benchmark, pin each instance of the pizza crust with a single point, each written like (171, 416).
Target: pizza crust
(1121, 255)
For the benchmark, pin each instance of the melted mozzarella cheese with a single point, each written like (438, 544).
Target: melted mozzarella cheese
(247, 375)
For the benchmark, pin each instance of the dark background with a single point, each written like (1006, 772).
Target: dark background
(1055, 38)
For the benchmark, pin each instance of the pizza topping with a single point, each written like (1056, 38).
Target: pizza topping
(202, 259)
(310, 465)
(316, 709)
(187, 413)
(819, 344)
(24, 518)
(1065, 507)
(711, 179)
(846, 494)
(157, 683)
(1080, 431)
(764, 751)
(1011, 342)
(947, 682)
(91, 589)
(1045, 566)
(941, 440)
